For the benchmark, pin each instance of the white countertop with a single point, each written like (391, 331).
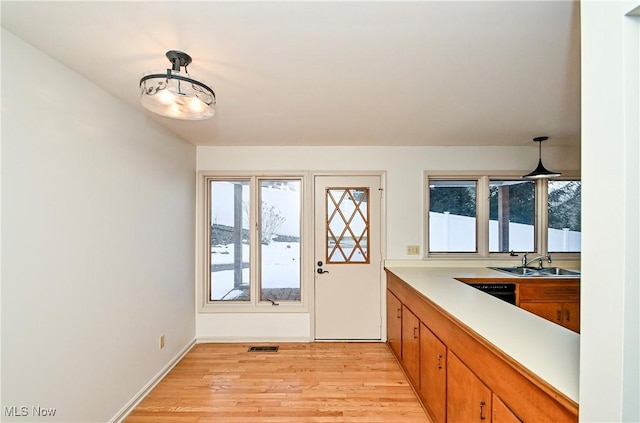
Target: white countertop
(550, 351)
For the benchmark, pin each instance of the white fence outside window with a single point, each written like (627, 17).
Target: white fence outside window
(450, 232)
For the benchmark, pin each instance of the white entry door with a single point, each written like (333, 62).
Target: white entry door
(348, 257)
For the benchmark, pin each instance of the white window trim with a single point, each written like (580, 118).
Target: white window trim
(482, 215)
(566, 176)
(204, 305)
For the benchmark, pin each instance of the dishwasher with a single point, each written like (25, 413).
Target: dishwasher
(504, 291)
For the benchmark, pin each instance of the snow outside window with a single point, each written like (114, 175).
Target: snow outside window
(230, 240)
(255, 240)
(280, 229)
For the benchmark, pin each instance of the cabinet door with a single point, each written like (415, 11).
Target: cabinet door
(468, 399)
(394, 324)
(433, 374)
(551, 311)
(411, 346)
(500, 413)
(571, 316)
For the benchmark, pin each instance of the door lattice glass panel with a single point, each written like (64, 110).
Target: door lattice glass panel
(347, 225)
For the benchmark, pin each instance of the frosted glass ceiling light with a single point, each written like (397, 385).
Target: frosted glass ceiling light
(541, 172)
(176, 95)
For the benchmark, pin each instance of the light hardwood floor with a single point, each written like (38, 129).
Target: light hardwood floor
(314, 382)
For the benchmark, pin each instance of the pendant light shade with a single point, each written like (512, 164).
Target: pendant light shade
(176, 94)
(540, 172)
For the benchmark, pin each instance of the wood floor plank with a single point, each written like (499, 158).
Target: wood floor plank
(302, 382)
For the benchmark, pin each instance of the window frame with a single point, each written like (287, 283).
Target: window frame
(251, 235)
(536, 214)
(563, 254)
(479, 215)
(483, 215)
(203, 240)
(259, 224)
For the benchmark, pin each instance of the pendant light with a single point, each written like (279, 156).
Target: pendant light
(175, 94)
(541, 172)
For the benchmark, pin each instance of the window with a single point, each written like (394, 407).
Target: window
(230, 241)
(452, 215)
(254, 240)
(482, 215)
(564, 215)
(511, 215)
(280, 226)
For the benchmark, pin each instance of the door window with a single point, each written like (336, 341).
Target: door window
(347, 218)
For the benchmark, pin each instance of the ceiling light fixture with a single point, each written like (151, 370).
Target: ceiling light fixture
(541, 172)
(176, 95)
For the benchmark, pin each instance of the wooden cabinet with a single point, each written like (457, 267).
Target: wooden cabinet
(554, 299)
(571, 316)
(468, 399)
(565, 314)
(558, 303)
(459, 376)
(500, 413)
(394, 324)
(433, 374)
(546, 310)
(411, 345)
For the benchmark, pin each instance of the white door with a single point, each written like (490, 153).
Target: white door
(348, 257)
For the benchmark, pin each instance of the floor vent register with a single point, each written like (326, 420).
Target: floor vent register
(264, 348)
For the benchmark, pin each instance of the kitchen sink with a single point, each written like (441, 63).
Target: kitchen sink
(517, 271)
(557, 271)
(532, 271)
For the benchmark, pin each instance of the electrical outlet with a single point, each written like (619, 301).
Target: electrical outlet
(161, 341)
(413, 250)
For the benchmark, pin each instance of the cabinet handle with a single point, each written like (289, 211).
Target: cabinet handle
(559, 315)
(568, 313)
(439, 361)
(482, 404)
(415, 333)
(399, 313)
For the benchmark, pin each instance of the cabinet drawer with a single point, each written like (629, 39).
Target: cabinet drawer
(549, 292)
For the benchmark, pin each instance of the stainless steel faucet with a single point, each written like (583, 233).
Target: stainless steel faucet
(526, 262)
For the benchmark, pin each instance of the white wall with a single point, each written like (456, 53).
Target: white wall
(610, 359)
(97, 236)
(404, 167)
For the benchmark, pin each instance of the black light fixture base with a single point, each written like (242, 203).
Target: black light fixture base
(178, 58)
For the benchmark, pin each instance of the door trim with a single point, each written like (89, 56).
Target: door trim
(383, 248)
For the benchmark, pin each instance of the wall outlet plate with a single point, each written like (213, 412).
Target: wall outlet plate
(413, 250)
(161, 341)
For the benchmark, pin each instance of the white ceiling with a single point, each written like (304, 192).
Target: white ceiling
(335, 73)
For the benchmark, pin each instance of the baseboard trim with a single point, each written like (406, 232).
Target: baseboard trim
(137, 399)
(247, 340)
